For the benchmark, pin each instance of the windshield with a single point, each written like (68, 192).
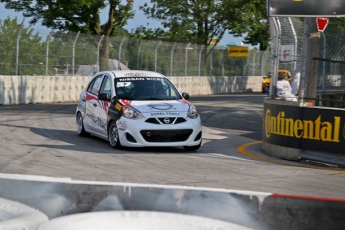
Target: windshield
(145, 88)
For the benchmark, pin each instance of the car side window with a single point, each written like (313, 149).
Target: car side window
(106, 86)
(95, 85)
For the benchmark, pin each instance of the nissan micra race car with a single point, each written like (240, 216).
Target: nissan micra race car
(136, 109)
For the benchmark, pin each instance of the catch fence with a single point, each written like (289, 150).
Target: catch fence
(24, 51)
(287, 50)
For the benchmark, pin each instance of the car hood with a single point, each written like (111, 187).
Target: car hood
(162, 108)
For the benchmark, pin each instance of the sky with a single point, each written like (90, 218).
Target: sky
(138, 20)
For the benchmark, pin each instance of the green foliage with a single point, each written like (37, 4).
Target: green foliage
(191, 21)
(29, 44)
(336, 23)
(253, 22)
(200, 21)
(75, 15)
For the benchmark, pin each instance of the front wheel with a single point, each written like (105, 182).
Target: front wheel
(192, 148)
(113, 136)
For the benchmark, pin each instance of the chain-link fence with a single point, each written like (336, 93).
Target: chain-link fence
(24, 51)
(287, 50)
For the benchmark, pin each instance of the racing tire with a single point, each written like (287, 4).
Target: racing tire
(192, 148)
(80, 126)
(113, 136)
(15, 215)
(136, 220)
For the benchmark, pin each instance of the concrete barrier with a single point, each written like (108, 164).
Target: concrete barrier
(59, 197)
(54, 89)
(290, 130)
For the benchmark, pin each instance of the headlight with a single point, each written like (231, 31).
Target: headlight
(131, 113)
(192, 112)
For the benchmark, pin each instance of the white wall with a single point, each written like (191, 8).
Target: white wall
(52, 89)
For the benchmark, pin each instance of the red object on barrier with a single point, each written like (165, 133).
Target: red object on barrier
(321, 24)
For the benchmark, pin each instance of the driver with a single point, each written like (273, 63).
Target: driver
(144, 89)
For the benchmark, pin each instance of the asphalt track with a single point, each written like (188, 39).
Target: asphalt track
(41, 140)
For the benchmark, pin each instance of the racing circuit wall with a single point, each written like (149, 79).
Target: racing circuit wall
(53, 89)
(290, 128)
(52, 199)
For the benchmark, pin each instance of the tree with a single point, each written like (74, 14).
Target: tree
(78, 15)
(193, 21)
(27, 61)
(190, 21)
(253, 22)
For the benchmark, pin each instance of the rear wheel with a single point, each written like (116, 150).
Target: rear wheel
(80, 126)
(113, 136)
(192, 148)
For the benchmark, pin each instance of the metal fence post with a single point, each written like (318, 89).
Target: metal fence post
(17, 52)
(171, 58)
(99, 43)
(73, 54)
(253, 65)
(186, 60)
(138, 57)
(295, 42)
(275, 57)
(200, 51)
(160, 42)
(120, 50)
(47, 51)
(304, 59)
(323, 63)
(211, 62)
(223, 62)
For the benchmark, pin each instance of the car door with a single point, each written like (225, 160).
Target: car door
(101, 110)
(92, 102)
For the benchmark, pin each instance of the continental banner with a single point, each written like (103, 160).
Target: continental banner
(325, 129)
(277, 129)
(307, 128)
(238, 51)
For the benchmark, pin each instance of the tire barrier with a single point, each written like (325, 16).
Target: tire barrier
(14, 215)
(136, 220)
(58, 198)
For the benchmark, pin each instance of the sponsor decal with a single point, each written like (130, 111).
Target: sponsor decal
(156, 114)
(162, 106)
(125, 102)
(132, 79)
(318, 129)
(90, 111)
(122, 125)
(118, 106)
(136, 74)
(96, 120)
(185, 101)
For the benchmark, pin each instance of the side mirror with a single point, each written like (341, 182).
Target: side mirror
(185, 96)
(104, 97)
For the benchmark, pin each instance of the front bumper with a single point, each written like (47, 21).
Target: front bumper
(140, 133)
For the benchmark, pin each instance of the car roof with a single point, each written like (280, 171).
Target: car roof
(135, 73)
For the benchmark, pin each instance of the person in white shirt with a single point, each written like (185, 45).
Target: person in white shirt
(284, 89)
(295, 84)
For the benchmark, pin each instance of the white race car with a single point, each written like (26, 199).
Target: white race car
(138, 108)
